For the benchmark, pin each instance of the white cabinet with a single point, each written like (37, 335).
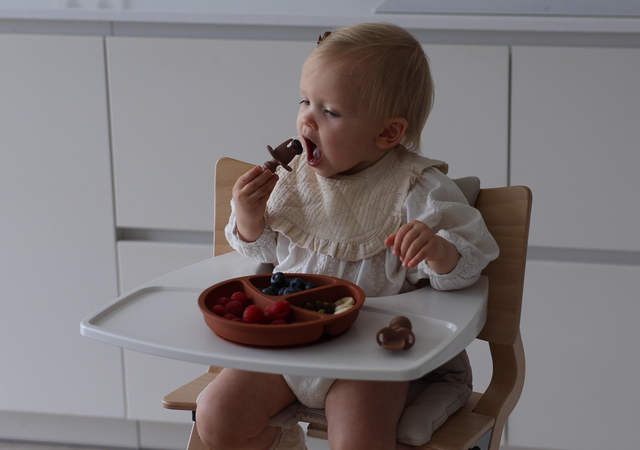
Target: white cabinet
(468, 127)
(580, 334)
(57, 245)
(177, 105)
(149, 378)
(576, 142)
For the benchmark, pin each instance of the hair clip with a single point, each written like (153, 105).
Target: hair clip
(320, 38)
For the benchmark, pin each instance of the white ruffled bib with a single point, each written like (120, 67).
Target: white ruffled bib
(345, 216)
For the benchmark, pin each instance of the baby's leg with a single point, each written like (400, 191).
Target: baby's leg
(234, 410)
(364, 415)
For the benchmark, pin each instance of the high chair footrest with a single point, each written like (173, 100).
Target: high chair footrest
(184, 398)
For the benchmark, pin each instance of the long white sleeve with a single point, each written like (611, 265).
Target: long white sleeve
(450, 216)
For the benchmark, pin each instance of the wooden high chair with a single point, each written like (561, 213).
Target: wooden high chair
(480, 422)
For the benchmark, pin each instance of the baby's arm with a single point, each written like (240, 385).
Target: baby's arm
(263, 249)
(250, 195)
(436, 202)
(415, 242)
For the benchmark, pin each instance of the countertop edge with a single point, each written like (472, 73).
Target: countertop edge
(410, 21)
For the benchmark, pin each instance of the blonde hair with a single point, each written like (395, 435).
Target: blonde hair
(394, 79)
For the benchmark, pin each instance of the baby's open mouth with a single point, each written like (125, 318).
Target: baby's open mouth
(314, 154)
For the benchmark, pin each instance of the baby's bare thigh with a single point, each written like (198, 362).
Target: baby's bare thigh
(365, 414)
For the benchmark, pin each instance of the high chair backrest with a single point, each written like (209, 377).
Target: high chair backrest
(506, 212)
(228, 170)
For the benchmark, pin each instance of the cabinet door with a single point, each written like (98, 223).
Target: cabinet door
(177, 105)
(576, 142)
(468, 127)
(580, 335)
(57, 257)
(149, 378)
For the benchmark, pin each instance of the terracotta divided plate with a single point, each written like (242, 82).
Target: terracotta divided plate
(306, 326)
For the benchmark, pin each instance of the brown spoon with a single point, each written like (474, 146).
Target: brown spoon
(283, 154)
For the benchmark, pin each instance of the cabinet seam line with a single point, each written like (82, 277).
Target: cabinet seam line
(115, 228)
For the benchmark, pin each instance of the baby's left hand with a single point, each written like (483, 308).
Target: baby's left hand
(415, 242)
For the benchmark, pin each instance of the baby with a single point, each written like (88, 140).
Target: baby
(361, 204)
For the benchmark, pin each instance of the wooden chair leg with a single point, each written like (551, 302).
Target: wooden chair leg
(195, 443)
(317, 430)
(483, 442)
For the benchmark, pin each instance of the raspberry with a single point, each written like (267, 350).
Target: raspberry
(278, 311)
(241, 297)
(219, 310)
(234, 307)
(230, 316)
(237, 319)
(222, 301)
(253, 314)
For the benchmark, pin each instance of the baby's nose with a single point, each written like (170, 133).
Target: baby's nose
(308, 120)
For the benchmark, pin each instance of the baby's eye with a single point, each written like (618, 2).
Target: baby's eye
(304, 102)
(331, 113)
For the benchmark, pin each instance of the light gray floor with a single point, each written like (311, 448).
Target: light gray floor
(312, 444)
(317, 444)
(8, 445)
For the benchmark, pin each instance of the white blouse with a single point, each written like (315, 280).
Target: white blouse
(435, 200)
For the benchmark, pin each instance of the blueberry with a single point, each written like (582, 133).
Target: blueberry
(298, 283)
(269, 291)
(279, 279)
(291, 290)
(309, 285)
(282, 290)
(297, 145)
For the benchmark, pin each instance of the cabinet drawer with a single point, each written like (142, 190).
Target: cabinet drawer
(177, 105)
(580, 335)
(576, 143)
(180, 104)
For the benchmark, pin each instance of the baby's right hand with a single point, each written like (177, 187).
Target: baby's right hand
(250, 195)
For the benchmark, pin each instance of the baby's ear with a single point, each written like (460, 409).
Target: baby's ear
(392, 133)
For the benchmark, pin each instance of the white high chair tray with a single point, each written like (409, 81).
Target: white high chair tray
(162, 318)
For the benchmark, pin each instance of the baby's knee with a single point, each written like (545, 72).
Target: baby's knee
(214, 431)
(215, 426)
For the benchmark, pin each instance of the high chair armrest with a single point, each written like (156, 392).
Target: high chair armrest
(184, 398)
